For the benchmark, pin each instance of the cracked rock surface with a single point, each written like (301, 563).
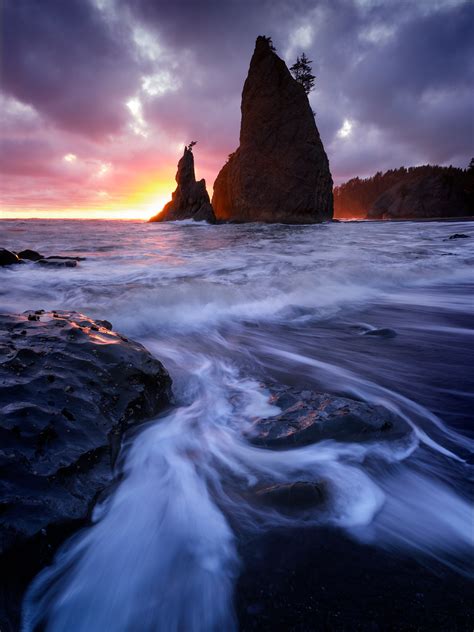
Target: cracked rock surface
(69, 388)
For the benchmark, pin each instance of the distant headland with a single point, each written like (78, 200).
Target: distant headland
(425, 192)
(280, 171)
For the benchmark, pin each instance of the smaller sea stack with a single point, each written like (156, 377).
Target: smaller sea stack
(190, 200)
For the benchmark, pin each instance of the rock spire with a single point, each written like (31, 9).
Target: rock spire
(280, 172)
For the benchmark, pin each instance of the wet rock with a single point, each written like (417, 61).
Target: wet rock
(294, 496)
(69, 388)
(280, 172)
(458, 236)
(30, 255)
(384, 332)
(57, 262)
(308, 417)
(190, 200)
(66, 258)
(7, 257)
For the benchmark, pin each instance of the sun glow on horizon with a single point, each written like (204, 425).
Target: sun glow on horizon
(145, 201)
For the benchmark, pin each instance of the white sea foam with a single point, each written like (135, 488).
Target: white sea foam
(226, 307)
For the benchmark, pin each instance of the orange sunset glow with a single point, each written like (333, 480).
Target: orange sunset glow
(95, 128)
(113, 194)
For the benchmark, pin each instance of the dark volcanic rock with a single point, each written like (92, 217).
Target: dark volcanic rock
(54, 261)
(58, 262)
(7, 257)
(438, 194)
(308, 417)
(309, 579)
(384, 332)
(280, 172)
(62, 257)
(294, 496)
(69, 387)
(190, 200)
(30, 255)
(458, 236)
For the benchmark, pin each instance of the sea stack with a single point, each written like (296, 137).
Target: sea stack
(280, 172)
(190, 200)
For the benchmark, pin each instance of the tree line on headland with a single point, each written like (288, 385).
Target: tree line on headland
(372, 197)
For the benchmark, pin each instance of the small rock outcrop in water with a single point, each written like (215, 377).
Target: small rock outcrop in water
(308, 417)
(30, 255)
(57, 262)
(190, 200)
(280, 172)
(69, 387)
(8, 258)
(384, 332)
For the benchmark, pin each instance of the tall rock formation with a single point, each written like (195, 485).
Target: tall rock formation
(280, 172)
(190, 200)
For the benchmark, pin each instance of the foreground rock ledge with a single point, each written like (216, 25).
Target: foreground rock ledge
(69, 387)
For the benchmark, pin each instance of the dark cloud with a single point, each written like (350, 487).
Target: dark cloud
(417, 86)
(67, 61)
(399, 73)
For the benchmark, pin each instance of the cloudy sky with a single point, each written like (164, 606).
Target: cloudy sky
(99, 96)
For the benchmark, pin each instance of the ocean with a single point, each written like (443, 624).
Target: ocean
(229, 309)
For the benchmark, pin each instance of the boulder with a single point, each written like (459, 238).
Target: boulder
(280, 172)
(308, 417)
(30, 255)
(69, 388)
(7, 257)
(190, 200)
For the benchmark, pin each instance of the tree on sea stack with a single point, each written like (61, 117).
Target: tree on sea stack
(301, 71)
(190, 200)
(269, 42)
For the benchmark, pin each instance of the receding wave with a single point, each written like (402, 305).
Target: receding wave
(231, 310)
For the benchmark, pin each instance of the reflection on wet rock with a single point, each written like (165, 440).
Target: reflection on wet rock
(307, 417)
(69, 387)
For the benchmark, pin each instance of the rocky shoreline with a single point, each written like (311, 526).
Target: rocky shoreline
(70, 387)
(9, 257)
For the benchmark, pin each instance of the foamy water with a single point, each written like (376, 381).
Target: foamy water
(228, 309)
